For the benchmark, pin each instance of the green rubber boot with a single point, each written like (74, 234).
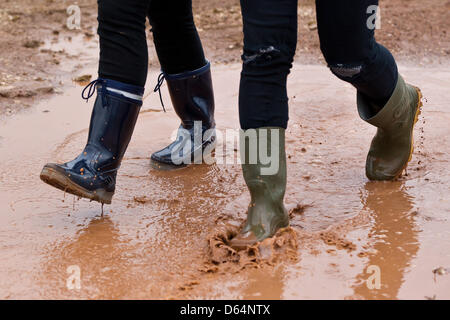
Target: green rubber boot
(392, 146)
(266, 182)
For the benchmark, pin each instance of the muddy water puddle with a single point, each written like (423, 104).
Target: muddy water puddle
(154, 241)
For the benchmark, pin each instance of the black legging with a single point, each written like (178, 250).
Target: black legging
(346, 41)
(123, 44)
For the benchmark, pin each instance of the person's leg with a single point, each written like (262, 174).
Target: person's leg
(123, 43)
(347, 41)
(346, 31)
(175, 36)
(270, 39)
(188, 77)
(120, 86)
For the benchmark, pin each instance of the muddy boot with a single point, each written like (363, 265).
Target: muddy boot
(392, 146)
(93, 173)
(266, 212)
(193, 100)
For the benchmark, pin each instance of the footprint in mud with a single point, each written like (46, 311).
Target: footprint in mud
(281, 247)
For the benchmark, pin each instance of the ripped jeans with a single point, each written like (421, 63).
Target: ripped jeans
(346, 32)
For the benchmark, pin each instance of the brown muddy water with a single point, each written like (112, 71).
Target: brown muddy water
(162, 237)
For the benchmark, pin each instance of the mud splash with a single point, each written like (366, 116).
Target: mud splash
(280, 248)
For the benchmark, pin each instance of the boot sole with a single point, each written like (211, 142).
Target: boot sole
(164, 166)
(61, 182)
(416, 118)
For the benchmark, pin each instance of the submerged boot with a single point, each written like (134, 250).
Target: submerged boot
(266, 212)
(392, 146)
(93, 173)
(193, 100)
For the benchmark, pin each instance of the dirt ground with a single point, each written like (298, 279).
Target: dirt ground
(416, 32)
(164, 236)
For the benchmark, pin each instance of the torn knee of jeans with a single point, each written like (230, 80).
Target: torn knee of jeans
(263, 55)
(346, 72)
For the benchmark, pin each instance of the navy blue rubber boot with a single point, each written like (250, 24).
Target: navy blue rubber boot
(192, 97)
(92, 174)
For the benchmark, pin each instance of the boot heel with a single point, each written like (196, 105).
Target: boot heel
(419, 104)
(418, 111)
(60, 181)
(103, 196)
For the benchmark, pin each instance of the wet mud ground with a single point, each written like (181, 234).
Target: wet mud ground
(163, 236)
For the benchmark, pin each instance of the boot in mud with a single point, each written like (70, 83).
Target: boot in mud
(266, 181)
(193, 100)
(392, 146)
(93, 173)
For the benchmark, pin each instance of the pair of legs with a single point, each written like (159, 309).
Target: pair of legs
(120, 87)
(123, 41)
(124, 57)
(346, 31)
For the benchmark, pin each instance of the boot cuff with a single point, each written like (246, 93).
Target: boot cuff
(122, 90)
(396, 98)
(188, 74)
(117, 85)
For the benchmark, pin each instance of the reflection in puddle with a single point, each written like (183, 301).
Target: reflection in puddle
(394, 237)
